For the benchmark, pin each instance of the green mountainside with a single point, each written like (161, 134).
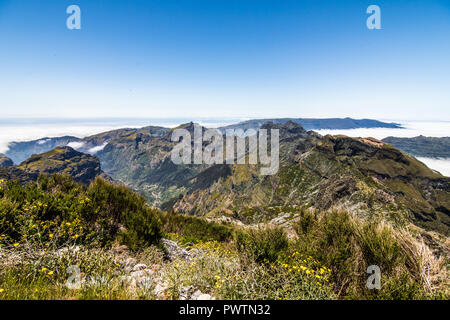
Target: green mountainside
(368, 176)
(83, 168)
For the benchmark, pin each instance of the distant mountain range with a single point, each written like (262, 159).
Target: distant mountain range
(366, 176)
(316, 124)
(430, 147)
(20, 151)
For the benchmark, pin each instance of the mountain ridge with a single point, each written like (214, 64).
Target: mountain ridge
(421, 146)
(315, 123)
(20, 151)
(367, 175)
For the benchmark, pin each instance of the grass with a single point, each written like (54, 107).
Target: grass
(350, 246)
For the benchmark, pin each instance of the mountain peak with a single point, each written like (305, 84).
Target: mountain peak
(82, 167)
(288, 129)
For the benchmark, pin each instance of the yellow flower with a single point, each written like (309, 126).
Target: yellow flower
(2, 290)
(50, 273)
(16, 244)
(50, 235)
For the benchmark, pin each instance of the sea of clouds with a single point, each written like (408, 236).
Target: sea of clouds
(34, 129)
(410, 129)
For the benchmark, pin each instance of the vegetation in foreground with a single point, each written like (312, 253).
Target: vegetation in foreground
(127, 250)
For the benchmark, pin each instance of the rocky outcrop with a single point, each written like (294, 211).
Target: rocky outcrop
(16, 174)
(81, 167)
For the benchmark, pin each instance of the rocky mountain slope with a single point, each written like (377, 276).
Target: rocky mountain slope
(367, 176)
(20, 151)
(82, 167)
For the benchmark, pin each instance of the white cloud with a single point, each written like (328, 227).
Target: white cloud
(440, 165)
(96, 149)
(75, 145)
(411, 129)
(43, 141)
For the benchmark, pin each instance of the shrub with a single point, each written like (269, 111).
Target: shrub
(263, 244)
(115, 206)
(195, 229)
(348, 246)
(56, 211)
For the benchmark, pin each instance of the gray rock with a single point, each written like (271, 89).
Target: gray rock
(196, 294)
(174, 250)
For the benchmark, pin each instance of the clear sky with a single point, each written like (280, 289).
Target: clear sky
(225, 58)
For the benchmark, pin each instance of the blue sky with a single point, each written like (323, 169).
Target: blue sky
(225, 58)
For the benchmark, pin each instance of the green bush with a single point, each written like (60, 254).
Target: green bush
(56, 211)
(195, 229)
(263, 244)
(117, 206)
